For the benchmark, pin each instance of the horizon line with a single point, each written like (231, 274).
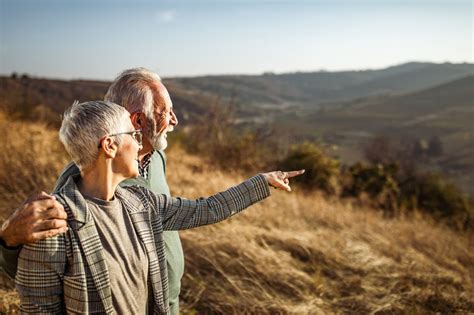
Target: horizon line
(269, 72)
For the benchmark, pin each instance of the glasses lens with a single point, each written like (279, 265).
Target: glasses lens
(138, 137)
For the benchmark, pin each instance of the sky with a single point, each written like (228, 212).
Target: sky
(72, 39)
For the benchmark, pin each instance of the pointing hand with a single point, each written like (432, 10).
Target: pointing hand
(281, 180)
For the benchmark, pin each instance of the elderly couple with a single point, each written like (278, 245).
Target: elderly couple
(106, 241)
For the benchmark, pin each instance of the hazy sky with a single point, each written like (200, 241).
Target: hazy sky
(98, 39)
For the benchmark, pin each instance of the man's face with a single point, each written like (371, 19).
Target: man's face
(164, 119)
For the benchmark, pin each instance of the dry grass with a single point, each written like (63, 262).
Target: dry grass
(291, 254)
(303, 254)
(31, 158)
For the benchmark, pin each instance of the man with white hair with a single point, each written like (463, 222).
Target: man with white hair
(142, 93)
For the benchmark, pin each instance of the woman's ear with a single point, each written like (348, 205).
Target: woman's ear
(137, 120)
(109, 147)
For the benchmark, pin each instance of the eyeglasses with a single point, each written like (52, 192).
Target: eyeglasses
(136, 134)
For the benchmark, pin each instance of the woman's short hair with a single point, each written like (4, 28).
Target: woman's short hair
(84, 124)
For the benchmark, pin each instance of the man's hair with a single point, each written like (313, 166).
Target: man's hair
(136, 90)
(84, 124)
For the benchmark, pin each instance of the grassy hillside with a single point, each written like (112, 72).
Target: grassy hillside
(295, 253)
(434, 111)
(44, 99)
(411, 78)
(445, 111)
(24, 95)
(315, 88)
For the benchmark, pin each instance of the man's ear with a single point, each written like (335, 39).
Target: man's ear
(137, 120)
(109, 147)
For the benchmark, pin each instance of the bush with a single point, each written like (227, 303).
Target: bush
(322, 171)
(382, 186)
(439, 198)
(376, 181)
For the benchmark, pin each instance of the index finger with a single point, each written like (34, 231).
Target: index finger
(46, 204)
(44, 195)
(294, 173)
(56, 212)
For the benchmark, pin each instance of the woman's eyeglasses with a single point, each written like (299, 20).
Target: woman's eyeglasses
(136, 134)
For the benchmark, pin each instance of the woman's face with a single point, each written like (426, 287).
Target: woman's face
(126, 159)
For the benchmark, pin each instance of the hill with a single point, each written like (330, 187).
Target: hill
(443, 112)
(46, 99)
(268, 93)
(315, 88)
(295, 253)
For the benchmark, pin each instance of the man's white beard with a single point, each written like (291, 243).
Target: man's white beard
(159, 141)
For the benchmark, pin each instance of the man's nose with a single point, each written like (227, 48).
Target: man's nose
(174, 119)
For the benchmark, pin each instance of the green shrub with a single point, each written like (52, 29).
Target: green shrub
(376, 181)
(322, 171)
(439, 198)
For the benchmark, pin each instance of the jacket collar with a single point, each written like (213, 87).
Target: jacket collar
(74, 200)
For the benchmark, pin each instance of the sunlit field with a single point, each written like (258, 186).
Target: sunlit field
(295, 253)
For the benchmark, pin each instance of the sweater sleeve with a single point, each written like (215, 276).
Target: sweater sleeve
(40, 274)
(180, 213)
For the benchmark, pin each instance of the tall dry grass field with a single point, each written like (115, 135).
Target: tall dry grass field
(302, 254)
(31, 158)
(291, 254)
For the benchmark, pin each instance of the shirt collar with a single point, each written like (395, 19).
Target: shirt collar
(144, 164)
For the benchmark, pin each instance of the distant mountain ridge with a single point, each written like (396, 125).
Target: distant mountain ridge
(311, 89)
(316, 88)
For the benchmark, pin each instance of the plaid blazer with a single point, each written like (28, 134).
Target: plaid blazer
(68, 273)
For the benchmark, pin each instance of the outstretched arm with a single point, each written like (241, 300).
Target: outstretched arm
(180, 213)
(39, 217)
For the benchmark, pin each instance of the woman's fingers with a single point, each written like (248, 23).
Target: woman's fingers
(280, 180)
(294, 173)
(282, 186)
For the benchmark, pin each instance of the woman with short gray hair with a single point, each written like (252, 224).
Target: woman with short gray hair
(112, 258)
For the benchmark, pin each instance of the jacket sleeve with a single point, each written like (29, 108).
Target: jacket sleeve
(9, 259)
(40, 274)
(181, 213)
